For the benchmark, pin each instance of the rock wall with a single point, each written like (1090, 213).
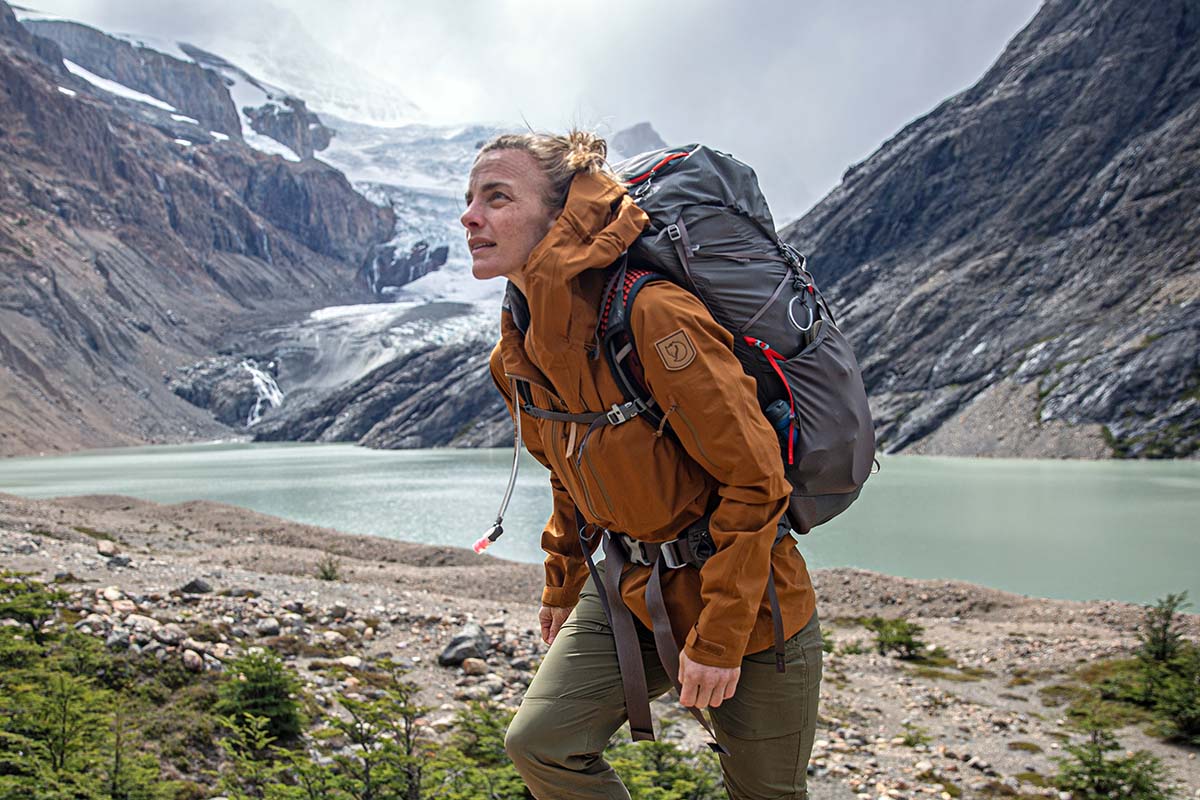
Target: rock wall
(124, 255)
(1037, 230)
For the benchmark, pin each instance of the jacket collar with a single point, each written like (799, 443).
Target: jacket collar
(598, 222)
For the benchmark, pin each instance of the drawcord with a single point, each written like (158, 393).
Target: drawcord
(663, 424)
(498, 526)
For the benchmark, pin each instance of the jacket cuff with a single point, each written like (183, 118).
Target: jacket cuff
(709, 653)
(560, 596)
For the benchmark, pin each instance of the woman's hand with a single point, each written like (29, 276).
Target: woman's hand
(552, 618)
(705, 686)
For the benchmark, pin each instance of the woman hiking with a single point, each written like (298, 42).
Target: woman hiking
(544, 212)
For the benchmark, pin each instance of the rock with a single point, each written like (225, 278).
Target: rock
(475, 666)
(339, 610)
(170, 634)
(267, 627)
(192, 661)
(120, 561)
(111, 593)
(196, 586)
(123, 606)
(472, 641)
(333, 638)
(525, 663)
(106, 547)
(353, 662)
(140, 622)
(117, 641)
(479, 692)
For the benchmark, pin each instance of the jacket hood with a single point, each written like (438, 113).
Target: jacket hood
(597, 224)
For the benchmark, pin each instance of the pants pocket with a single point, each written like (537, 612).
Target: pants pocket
(768, 704)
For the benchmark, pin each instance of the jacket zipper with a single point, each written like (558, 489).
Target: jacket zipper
(695, 438)
(599, 483)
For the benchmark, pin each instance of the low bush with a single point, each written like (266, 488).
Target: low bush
(1088, 773)
(260, 685)
(896, 636)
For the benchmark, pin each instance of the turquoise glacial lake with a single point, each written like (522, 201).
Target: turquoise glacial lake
(1064, 529)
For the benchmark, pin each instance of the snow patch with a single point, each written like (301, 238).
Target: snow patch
(112, 87)
(67, 92)
(220, 137)
(184, 118)
(182, 142)
(159, 44)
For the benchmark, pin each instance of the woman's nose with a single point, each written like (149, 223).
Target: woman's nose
(470, 218)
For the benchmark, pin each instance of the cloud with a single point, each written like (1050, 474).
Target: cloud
(800, 90)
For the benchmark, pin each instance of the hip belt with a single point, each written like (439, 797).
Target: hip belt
(692, 548)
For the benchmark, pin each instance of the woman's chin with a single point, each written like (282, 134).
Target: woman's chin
(482, 269)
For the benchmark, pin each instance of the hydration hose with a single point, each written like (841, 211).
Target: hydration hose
(497, 528)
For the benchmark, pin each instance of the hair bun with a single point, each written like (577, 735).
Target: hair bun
(586, 152)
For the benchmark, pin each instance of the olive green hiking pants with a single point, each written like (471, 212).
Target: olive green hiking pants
(575, 703)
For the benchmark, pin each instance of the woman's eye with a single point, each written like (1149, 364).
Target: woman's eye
(499, 196)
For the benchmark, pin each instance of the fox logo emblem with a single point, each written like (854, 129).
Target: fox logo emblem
(676, 350)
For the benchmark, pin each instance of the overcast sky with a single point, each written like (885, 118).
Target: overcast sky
(799, 89)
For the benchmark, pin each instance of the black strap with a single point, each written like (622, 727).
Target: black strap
(561, 416)
(678, 234)
(664, 640)
(629, 651)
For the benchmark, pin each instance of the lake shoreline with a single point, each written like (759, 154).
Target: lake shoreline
(256, 565)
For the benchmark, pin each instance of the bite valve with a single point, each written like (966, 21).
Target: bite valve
(486, 540)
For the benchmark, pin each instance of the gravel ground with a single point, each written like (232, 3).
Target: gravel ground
(127, 560)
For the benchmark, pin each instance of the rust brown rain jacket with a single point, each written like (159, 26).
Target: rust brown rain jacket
(636, 480)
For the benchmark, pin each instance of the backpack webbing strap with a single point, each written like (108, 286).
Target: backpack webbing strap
(678, 234)
(664, 640)
(629, 651)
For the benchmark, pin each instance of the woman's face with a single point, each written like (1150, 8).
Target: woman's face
(506, 216)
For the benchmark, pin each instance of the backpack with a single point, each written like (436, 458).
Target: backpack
(711, 233)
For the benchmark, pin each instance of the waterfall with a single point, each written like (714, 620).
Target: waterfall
(266, 387)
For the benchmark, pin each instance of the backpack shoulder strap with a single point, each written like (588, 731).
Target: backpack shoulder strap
(616, 337)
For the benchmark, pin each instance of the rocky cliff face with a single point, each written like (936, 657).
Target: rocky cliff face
(125, 254)
(1019, 269)
(274, 113)
(197, 92)
(431, 397)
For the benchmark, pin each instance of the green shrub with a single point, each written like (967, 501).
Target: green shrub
(1088, 774)
(1178, 696)
(29, 602)
(1160, 635)
(660, 770)
(896, 636)
(329, 568)
(260, 685)
(914, 735)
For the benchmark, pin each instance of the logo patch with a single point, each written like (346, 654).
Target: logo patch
(676, 350)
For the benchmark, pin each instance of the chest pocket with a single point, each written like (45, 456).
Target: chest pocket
(622, 477)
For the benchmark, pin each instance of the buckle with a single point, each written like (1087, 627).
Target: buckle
(673, 233)
(616, 416)
(669, 553)
(624, 412)
(634, 551)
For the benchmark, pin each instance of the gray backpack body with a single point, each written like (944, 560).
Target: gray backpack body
(711, 233)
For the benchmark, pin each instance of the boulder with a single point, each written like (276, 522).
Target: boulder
(196, 586)
(472, 641)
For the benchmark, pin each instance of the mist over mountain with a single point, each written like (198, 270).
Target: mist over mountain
(202, 245)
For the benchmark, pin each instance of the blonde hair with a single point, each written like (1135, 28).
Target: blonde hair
(560, 158)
